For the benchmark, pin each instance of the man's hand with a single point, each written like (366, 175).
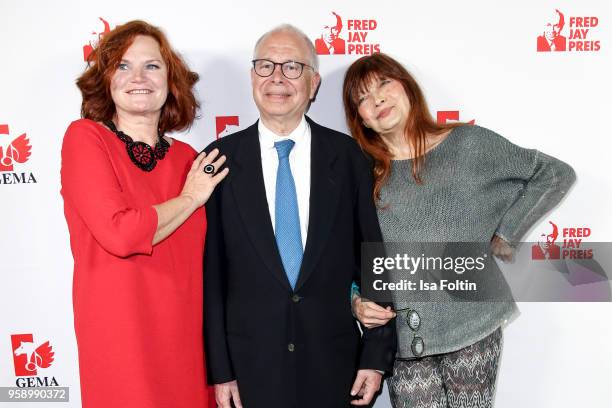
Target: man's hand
(370, 314)
(365, 386)
(226, 393)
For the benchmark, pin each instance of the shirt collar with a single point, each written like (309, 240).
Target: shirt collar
(267, 138)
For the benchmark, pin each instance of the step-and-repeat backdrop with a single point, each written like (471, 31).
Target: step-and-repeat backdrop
(486, 62)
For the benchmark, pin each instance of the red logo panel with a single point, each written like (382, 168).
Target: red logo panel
(353, 38)
(547, 249)
(580, 34)
(28, 357)
(223, 123)
(96, 37)
(450, 116)
(17, 151)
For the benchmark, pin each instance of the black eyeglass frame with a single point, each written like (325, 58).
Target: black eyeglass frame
(301, 64)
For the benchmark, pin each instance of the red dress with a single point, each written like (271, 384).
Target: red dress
(137, 308)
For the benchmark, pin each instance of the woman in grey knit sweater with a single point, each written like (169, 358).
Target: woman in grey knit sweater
(443, 183)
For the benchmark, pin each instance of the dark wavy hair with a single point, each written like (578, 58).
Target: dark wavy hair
(419, 124)
(179, 110)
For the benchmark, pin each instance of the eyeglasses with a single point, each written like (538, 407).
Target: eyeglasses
(290, 69)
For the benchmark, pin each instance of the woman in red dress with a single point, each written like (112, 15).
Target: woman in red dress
(133, 203)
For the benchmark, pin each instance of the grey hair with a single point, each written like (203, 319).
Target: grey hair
(284, 28)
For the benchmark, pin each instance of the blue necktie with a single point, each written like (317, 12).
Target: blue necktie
(287, 216)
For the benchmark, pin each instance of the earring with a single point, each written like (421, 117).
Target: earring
(365, 124)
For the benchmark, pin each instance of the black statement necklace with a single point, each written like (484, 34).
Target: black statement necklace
(141, 154)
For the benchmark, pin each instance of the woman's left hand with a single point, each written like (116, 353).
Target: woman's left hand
(502, 249)
(200, 185)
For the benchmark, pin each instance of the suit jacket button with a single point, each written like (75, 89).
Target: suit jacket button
(291, 347)
(295, 298)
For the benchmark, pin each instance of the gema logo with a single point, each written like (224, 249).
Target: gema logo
(334, 38)
(552, 37)
(225, 125)
(94, 39)
(29, 358)
(16, 151)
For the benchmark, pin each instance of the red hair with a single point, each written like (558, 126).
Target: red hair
(419, 124)
(179, 110)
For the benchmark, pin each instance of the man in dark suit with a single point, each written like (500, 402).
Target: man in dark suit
(283, 246)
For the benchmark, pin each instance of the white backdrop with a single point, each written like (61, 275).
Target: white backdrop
(475, 57)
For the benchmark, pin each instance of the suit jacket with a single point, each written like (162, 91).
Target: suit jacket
(290, 348)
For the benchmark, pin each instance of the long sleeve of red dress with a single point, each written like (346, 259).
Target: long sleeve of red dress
(90, 183)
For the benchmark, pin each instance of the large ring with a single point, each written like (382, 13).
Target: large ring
(209, 169)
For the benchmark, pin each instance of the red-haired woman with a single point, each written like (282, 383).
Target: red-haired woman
(133, 203)
(443, 183)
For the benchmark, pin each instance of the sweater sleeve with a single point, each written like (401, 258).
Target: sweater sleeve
(545, 181)
(91, 187)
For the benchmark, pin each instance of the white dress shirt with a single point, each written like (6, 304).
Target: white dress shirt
(299, 161)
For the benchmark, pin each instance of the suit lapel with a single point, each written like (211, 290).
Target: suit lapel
(324, 198)
(250, 193)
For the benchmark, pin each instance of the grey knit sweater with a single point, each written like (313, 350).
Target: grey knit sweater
(476, 184)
